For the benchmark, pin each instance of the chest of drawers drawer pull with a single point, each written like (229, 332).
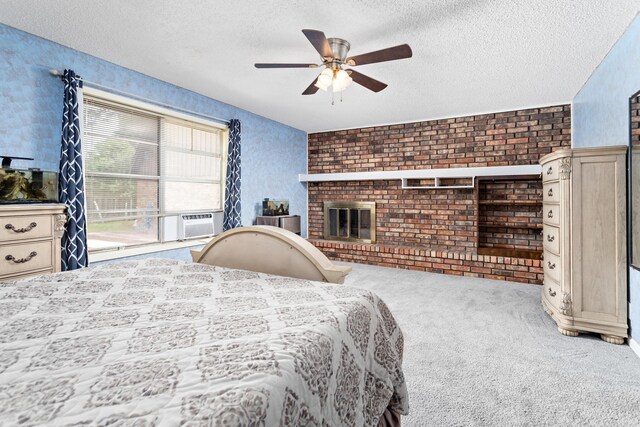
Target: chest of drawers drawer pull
(550, 171)
(551, 239)
(551, 215)
(552, 293)
(551, 192)
(21, 260)
(21, 230)
(552, 267)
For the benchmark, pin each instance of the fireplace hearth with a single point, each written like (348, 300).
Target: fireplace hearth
(350, 221)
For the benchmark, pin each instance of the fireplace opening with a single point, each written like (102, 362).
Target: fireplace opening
(350, 221)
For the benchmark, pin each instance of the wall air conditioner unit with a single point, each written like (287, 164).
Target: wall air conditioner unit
(192, 225)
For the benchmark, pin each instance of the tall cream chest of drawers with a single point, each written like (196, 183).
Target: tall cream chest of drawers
(30, 239)
(585, 241)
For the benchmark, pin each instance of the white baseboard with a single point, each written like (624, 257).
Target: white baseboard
(634, 346)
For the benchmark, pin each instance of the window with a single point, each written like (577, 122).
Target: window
(141, 167)
(191, 158)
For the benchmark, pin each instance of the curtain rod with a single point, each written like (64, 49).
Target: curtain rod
(59, 73)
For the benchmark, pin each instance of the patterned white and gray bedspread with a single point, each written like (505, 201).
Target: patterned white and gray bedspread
(161, 343)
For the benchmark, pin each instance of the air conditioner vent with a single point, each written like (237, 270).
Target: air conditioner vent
(192, 225)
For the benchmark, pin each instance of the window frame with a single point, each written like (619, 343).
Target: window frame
(171, 116)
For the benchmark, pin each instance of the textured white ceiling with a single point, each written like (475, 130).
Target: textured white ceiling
(469, 56)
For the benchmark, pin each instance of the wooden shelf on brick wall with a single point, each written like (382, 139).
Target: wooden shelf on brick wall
(510, 202)
(513, 253)
(497, 200)
(517, 226)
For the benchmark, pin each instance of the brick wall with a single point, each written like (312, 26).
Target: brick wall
(438, 220)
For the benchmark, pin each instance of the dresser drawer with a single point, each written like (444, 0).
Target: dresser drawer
(551, 238)
(13, 228)
(551, 214)
(551, 292)
(36, 256)
(550, 171)
(551, 192)
(552, 266)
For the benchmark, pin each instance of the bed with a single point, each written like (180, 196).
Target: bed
(161, 342)
(270, 250)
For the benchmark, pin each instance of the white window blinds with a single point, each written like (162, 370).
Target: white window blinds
(192, 166)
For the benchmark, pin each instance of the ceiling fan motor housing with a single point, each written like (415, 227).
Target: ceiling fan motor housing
(340, 48)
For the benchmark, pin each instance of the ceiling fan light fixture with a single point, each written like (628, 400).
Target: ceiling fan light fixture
(324, 79)
(341, 80)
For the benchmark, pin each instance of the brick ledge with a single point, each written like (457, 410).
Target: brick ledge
(437, 261)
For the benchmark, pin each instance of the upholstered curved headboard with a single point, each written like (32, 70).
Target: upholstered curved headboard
(270, 250)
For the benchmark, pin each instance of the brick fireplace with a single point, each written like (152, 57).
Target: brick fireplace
(491, 230)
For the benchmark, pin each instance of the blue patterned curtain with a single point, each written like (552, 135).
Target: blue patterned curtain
(232, 193)
(71, 181)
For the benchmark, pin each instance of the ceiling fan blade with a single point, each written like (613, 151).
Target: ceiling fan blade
(388, 54)
(366, 81)
(320, 42)
(312, 88)
(276, 65)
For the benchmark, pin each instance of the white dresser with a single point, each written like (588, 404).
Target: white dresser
(585, 241)
(30, 239)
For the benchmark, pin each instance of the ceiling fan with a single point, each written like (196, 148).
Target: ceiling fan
(333, 52)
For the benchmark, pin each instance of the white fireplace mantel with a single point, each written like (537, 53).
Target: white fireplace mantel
(436, 174)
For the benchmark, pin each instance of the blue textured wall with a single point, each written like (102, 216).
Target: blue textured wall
(600, 111)
(31, 114)
(600, 116)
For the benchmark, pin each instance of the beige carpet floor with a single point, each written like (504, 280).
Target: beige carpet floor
(483, 353)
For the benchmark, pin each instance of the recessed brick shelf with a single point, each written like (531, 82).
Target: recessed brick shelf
(490, 231)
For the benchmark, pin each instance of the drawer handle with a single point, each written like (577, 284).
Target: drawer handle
(21, 230)
(551, 266)
(550, 170)
(550, 192)
(21, 260)
(550, 214)
(552, 293)
(550, 238)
